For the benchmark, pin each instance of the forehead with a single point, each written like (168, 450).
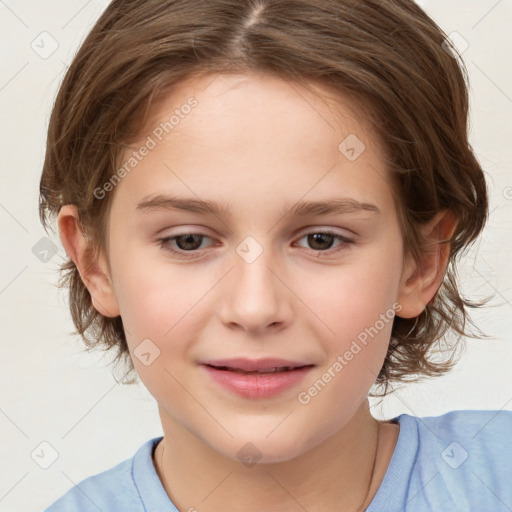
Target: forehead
(249, 97)
(258, 137)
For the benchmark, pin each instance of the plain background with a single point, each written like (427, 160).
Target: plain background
(52, 391)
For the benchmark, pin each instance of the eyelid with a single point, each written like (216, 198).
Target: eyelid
(315, 228)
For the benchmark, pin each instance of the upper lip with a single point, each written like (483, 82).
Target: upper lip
(249, 365)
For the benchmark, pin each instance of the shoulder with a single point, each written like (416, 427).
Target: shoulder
(103, 491)
(111, 490)
(468, 421)
(483, 436)
(462, 459)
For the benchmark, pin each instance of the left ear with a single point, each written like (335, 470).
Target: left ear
(420, 282)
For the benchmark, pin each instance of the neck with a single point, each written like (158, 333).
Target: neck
(342, 473)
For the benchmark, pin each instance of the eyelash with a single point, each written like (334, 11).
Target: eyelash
(164, 243)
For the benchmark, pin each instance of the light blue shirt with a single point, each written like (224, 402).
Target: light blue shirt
(459, 461)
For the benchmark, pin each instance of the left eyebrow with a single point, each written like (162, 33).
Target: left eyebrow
(335, 205)
(300, 209)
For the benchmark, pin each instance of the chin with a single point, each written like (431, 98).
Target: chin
(254, 447)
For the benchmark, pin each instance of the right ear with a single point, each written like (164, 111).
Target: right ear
(93, 271)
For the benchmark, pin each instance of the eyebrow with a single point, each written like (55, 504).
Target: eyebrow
(302, 208)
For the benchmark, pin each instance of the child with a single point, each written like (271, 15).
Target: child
(258, 130)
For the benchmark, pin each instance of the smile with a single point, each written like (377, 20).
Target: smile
(259, 383)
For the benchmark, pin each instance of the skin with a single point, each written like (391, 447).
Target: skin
(256, 143)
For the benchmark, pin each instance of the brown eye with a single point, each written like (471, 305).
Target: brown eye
(320, 241)
(180, 245)
(323, 241)
(188, 242)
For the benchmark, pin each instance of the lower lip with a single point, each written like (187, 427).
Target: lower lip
(257, 385)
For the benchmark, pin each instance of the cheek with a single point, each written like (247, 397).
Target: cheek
(354, 296)
(358, 310)
(153, 295)
(161, 310)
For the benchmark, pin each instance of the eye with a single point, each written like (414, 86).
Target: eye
(323, 240)
(319, 241)
(188, 242)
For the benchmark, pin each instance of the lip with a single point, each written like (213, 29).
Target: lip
(256, 385)
(250, 365)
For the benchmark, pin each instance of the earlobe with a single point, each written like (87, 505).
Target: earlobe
(420, 281)
(93, 270)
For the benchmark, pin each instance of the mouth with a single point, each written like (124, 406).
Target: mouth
(263, 378)
(274, 369)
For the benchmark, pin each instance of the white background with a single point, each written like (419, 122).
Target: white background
(51, 390)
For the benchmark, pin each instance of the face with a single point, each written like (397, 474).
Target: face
(268, 275)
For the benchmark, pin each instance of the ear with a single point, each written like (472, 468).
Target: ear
(94, 271)
(420, 282)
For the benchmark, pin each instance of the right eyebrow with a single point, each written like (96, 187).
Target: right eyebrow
(166, 202)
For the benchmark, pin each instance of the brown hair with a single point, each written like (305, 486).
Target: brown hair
(388, 54)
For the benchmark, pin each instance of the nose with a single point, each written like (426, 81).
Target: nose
(254, 296)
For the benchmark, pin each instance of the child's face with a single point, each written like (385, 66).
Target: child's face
(256, 286)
